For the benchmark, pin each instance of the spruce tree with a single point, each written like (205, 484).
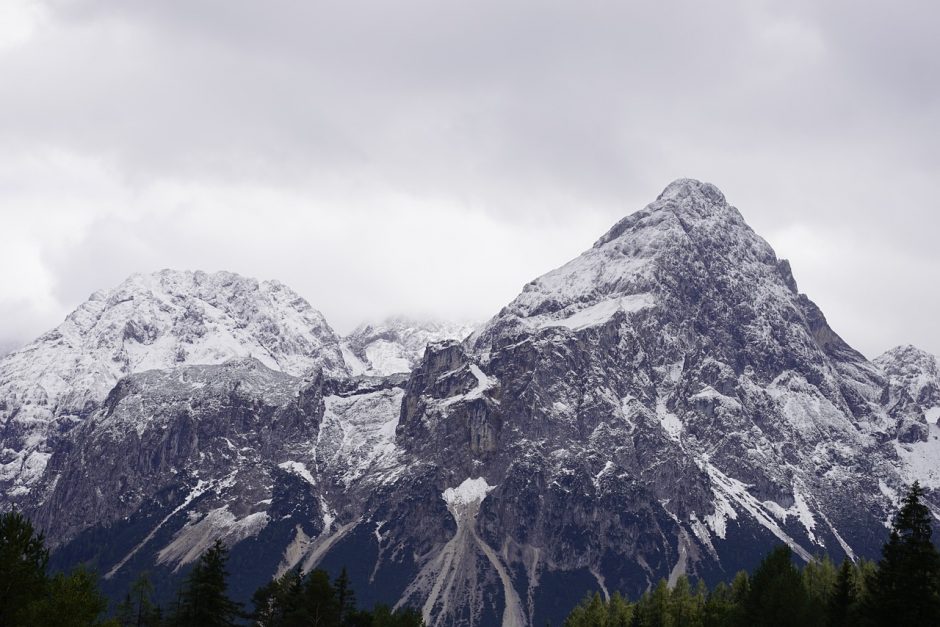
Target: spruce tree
(204, 601)
(345, 597)
(657, 611)
(319, 600)
(279, 603)
(906, 588)
(842, 599)
(776, 597)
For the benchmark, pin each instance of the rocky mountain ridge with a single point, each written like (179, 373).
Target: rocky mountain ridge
(397, 344)
(666, 403)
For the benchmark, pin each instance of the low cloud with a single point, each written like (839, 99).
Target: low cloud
(432, 157)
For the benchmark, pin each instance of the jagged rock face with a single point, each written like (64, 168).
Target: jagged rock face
(666, 403)
(915, 377)
(175, 459)
(396, 345)
(652, 405)
(156, 321)
(913, 396)
(164, 430)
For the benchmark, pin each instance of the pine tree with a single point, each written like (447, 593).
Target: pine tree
(906, 588)
(657, 611)
(683, 607)
(776, 597)
(619, 611)
(819, 577)
(23, 560)
(719, 607)
(319, 600)
(138, 609)
(124, 612)
(592, 612)
(842, 598)
(382, 616)
(279, 602)
(204, 601)
(641, 610)
(345, 597)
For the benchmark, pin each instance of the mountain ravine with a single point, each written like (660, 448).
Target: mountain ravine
(666, 403)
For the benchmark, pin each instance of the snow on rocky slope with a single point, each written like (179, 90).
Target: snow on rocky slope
(914, 377)
(916, 373)
(150, 321)
(666, 403)
(396, 344)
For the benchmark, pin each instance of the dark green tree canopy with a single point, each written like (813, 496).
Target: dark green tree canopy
(906, 587)
(204, 601)
(28, 596)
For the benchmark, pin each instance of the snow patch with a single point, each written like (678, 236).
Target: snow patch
(355, 365)
(737, 492)
(469, 492)
(298, 469)
(609, 466)
(919, 459)
(669, 421)
(799, 510)
(196, 492)
(387, 358)
(484, 383)
(596, 314)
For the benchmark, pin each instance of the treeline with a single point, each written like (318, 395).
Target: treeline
(901, 590)
(30, 597)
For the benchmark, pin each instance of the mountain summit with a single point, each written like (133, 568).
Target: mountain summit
(666, 403)
(150, 321)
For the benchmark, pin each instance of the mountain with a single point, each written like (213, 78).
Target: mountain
(916, 373)
(914, 383)
(396, 344)
(666, 403)
(157, 321)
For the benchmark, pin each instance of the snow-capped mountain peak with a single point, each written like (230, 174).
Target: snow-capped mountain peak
(649, 259)
(150, 321)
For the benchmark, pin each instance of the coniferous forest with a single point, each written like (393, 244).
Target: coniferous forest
(901, 590)
(30, 597)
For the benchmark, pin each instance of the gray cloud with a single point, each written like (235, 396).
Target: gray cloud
(432, 157)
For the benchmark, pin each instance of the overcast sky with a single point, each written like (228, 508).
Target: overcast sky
(432, 157)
